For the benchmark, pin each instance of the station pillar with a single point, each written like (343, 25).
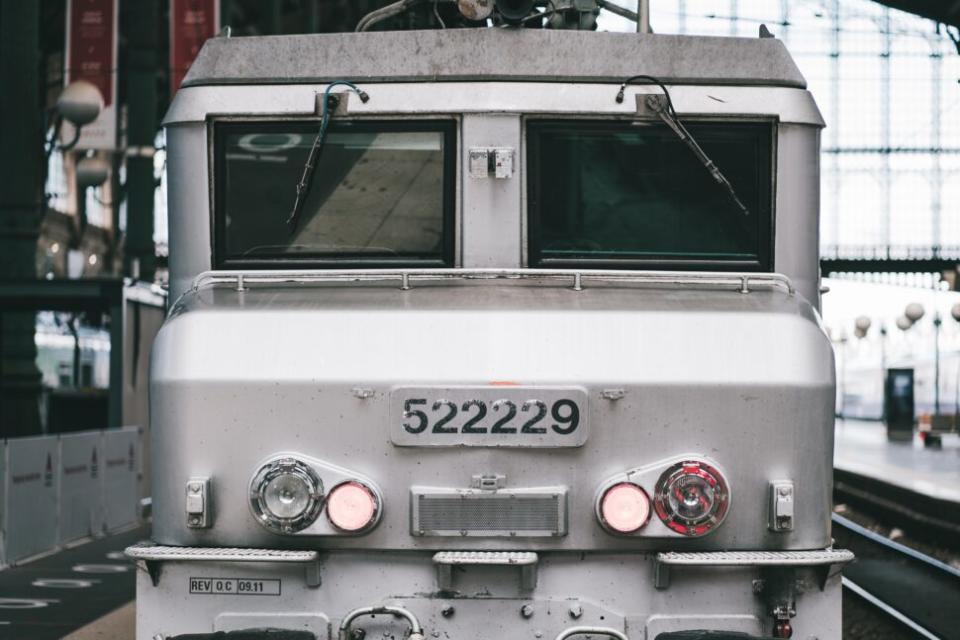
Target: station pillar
(142, 28)
(21, 198)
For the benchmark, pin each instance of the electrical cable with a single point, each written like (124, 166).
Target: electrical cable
(436, 13)
(303, 186)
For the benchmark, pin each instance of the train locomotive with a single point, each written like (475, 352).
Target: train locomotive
(492, 332)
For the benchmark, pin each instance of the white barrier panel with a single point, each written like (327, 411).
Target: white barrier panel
(119, 477)
(81, 486)
(3, 503)
(31, 512)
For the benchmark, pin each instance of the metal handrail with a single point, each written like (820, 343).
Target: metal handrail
(737, 281)
(595, 631)
(416, 631)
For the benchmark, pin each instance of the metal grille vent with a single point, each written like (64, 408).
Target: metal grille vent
(523, 512)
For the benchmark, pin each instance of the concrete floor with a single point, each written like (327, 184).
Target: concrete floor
(862, 447)
(116, 625)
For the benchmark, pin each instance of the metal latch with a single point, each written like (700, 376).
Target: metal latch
(489, 482)
(781, 506)
(198, 503)
(485, 162)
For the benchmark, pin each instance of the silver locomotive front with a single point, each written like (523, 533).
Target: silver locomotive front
(518, 364)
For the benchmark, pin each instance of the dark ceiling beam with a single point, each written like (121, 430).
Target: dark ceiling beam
(945, 11)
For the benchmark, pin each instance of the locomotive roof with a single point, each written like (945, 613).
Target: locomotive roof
(493, 54)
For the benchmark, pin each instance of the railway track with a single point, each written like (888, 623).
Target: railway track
(932, 520)
(916, 593)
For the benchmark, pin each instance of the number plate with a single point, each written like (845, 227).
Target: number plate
(488, 416)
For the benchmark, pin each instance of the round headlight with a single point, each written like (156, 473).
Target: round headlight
(286, 495)
(624, 508)
(692, 498)
(353, 507)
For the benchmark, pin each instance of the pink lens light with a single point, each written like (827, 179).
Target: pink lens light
(351, 506)
(624, 507)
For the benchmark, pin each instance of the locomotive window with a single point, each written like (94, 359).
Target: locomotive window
(381, 195)
(626, 195)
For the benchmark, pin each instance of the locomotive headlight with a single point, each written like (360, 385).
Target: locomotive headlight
(692, 498)
(286, 495)
(353, 507)
(623, 508)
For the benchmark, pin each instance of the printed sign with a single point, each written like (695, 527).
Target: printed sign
(31, 511)
(91, 55)
(81, 492)
(234, 586)
(191, 23)
(118, 469)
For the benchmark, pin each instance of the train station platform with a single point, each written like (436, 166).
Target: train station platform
(902, 479)
(862, 447)
(83, 592)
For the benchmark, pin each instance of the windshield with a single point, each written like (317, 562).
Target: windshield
(633, 195)
(381, 195)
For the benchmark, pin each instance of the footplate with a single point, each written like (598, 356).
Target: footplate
(828, 559)
(525, 560)
(153, 555)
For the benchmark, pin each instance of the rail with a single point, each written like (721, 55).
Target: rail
(740, 282)
(913, 590)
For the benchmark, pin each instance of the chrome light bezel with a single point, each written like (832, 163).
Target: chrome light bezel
(709, 521)
(273, 469)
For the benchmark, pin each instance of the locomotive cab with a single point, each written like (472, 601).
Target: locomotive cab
(492, 332)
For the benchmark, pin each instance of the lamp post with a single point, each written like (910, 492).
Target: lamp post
(955, 314)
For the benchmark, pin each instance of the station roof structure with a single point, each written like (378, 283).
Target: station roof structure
(945, 11)
(493, 54)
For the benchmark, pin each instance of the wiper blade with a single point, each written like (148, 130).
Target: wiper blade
(660, 108)
(303, 186)
(663, 107)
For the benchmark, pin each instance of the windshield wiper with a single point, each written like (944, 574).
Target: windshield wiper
(303, 187)
(663, 107)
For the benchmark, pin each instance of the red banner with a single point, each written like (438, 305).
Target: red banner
(92, 56)
(191, 23)
(91, 53)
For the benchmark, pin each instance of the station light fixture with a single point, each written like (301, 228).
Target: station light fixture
(286, 495)
(691, 498)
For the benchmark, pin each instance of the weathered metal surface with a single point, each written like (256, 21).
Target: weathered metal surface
(602, 590)
(702, 370)
(493, 54)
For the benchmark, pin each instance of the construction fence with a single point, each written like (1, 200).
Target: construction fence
(61, 488)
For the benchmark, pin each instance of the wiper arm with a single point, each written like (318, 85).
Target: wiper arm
(663, 107)
(303, 186)
(659, 107)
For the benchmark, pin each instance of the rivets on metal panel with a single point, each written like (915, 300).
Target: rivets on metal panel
(612, 394)
(576, 611)
(362, 392)
(526, 611)
(447, 611)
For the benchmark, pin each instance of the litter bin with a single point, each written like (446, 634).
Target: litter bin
(898, 406)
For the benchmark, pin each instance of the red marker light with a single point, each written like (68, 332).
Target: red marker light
(624, 508)
(352, 507)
